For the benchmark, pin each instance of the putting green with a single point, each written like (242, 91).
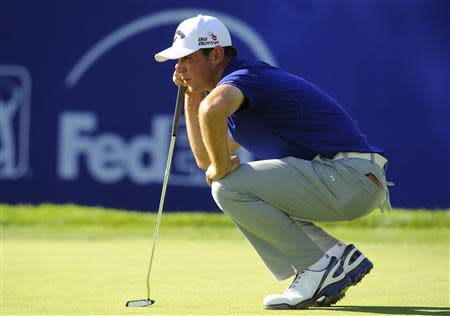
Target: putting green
(200, 277)
(208, 273)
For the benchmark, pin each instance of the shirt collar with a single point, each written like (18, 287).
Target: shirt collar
(232, 66)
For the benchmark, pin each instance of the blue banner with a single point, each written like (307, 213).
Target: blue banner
(86, 112)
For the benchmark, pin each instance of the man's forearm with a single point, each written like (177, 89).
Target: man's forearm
(213, 124)
(191, 110)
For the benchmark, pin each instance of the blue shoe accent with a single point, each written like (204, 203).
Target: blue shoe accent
(335, 288)
(360, 271)
(354, 274)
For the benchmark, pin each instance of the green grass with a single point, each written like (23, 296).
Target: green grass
(71, 260)
(76, 222)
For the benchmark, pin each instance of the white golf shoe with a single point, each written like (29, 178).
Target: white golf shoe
(355, 266)
(308, 286)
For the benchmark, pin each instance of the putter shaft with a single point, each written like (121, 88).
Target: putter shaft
(176, 118)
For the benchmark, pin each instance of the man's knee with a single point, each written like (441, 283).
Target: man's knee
(220, 191)
(233, 188)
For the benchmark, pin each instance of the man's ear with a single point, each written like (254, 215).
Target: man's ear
(218, 54)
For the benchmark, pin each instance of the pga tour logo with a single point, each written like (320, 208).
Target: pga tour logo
(15, 92)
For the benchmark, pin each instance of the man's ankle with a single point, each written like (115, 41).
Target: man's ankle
(337, 250)
(321, 264)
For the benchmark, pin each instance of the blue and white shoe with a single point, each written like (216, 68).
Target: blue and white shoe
(355, 266)
(308, 286)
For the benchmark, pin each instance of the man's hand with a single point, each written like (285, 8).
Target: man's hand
(218, 172)
(181, 78)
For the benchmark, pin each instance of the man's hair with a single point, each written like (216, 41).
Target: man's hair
(229, 51)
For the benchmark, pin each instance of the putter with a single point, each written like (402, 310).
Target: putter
(176, 118)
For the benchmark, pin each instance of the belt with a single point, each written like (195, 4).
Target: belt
(377, 158)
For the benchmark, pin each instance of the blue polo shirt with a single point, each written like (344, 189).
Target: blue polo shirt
(285, 115)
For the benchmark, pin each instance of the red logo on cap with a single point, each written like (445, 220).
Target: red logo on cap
(214, 37)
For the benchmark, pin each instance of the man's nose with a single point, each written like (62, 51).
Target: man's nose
(180, 68)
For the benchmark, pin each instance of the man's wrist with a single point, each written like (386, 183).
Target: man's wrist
(193, 100)
(222, 165)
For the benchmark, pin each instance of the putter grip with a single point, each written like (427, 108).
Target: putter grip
(177, 114)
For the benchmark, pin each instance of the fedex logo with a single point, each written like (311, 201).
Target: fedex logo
(108, 158)
(15, 93)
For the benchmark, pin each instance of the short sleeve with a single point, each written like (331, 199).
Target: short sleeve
(252, 85)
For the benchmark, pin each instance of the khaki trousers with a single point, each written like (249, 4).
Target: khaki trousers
(275, 202)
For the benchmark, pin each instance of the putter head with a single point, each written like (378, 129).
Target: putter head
(140, 303)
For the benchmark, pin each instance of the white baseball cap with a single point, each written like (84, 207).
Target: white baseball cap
(196, 33)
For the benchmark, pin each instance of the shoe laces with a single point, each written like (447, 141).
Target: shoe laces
(296, 280)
